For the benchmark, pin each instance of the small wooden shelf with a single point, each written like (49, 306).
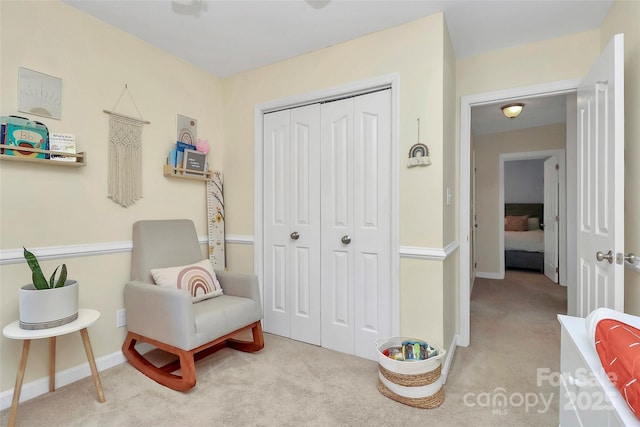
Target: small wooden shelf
(180, 172)
(80, 157)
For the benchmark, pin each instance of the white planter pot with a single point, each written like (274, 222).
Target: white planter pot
(48, 308)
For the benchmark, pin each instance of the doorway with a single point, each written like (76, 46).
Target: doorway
(467, 102)
(550, 231)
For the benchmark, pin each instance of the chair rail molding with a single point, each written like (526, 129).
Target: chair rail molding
(436, 254)
(15, 256)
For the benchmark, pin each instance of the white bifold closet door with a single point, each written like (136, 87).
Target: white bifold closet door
(356, 214)
(327, 213)
(292, 223)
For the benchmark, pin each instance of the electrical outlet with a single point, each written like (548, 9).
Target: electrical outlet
(121, 318)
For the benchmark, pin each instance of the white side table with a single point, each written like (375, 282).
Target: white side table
(86, 318)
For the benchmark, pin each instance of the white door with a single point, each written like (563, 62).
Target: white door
(292, 223)
(473, 226)
(356, 216)
(600, 198)
(551, 211)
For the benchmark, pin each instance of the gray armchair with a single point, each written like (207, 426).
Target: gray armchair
(168, 319)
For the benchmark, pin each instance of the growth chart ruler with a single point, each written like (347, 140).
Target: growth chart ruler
(215, 221)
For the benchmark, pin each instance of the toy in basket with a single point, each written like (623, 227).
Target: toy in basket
(409, 371)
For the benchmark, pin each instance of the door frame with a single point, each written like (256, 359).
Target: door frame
(350, 89)
(562, 205)
(466, 102)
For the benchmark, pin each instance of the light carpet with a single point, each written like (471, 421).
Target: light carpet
(492, 382)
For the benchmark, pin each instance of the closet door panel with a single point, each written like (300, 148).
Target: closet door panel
(277, 181)
(372, 221)
(336, 231)
(305, 221)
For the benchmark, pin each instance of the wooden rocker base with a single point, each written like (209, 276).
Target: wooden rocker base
(186, 358)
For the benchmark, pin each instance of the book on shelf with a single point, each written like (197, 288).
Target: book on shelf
(3, 131)
(176, 156)
(64, 143)
(21, 132)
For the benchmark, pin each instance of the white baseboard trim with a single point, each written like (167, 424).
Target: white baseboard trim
(496, 276)
(449, 360)
(41, 386)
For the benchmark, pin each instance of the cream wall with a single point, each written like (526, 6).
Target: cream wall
(624, 18)
(420, 66)
(561, 58)
(488, 149)
(57, 206)
(451, 282)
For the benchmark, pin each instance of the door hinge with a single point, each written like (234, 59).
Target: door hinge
(475, 265)
(557, 167)
(557, 270)
(557, 218)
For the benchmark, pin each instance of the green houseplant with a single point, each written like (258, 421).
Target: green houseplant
(37, 275)
(47, 303)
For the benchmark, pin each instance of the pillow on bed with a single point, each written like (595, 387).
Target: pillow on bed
(534, 224)
(516, 223)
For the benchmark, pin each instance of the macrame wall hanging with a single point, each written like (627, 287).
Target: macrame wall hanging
(125, 155)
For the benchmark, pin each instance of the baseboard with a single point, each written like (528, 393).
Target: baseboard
(449, 360)
(41, 385)
(496, 276)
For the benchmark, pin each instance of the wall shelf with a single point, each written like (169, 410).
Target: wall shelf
(80, 157)
(180, 172)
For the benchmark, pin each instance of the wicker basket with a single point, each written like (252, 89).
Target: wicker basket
(415, 383)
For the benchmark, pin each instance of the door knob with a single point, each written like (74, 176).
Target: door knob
(294, 235)
(631, 258)
(608, 256)
(346, 239)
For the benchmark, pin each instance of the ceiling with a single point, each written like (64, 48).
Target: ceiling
(538, 111)
(229, 37)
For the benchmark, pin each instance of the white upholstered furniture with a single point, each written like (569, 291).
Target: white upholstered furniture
(587, 397)
(168, 319)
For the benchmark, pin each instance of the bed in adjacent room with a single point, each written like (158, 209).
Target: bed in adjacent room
(524, 236)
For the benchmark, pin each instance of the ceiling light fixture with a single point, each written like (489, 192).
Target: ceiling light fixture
(512, 110)
(188, 7)
(318, 4)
